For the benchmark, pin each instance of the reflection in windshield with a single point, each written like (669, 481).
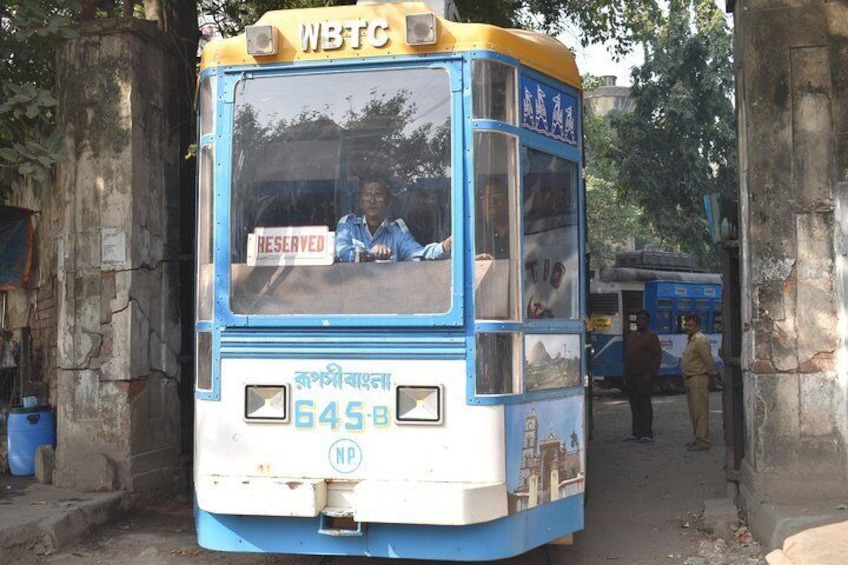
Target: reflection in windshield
(303, 145)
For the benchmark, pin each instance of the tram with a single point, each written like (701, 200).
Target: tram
(390, 287)
(663, 285)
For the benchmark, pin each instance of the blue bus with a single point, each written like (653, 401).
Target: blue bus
(619, 293)
(423, 397)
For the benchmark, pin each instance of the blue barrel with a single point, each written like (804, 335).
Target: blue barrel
(28, 428)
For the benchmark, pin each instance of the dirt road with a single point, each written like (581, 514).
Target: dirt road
(643, 507)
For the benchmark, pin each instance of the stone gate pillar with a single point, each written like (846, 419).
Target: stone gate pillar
(792, 93)
(117, 265)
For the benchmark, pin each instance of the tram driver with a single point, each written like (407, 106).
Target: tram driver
(373, 236)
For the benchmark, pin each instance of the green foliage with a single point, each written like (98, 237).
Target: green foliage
(599, 20)
(679, 142)
(29, 142)
(612, 219)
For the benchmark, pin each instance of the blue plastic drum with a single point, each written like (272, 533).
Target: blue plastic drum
(28, 428)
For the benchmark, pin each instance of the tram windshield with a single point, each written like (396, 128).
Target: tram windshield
(319, 160)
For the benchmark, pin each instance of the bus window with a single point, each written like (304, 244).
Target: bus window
(495, 243)
(662, 321)
(717, 322)
(550, 236)
(494, 91)
(302, 147)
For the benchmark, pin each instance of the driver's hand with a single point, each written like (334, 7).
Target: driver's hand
(381, 252)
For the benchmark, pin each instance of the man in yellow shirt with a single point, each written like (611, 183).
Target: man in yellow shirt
(697, 366)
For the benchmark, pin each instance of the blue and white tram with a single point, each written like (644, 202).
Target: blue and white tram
(619, 293)
(428, 408)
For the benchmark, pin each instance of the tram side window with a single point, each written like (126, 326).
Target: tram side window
(550, 235)
(303, 148)
(662, 318)
(494, 91)
(496, 291)
(683, 307)
(497, 365)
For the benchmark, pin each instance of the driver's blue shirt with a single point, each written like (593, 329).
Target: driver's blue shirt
(352, 234)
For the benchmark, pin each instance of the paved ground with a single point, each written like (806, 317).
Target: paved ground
(646, 500)
(644, 507)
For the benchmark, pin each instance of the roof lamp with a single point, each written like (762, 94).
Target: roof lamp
(261, 40)
(420, 29)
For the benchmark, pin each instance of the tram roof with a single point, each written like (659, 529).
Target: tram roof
(535, 50)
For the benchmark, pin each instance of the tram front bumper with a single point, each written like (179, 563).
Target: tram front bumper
(399, 502)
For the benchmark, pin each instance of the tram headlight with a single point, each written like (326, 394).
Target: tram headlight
(420, 29)
(263, 402)
(261, 40)
(419, 405)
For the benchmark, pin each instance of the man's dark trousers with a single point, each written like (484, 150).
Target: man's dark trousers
(639, 392)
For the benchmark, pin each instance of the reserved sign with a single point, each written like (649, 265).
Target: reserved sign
(305, 245)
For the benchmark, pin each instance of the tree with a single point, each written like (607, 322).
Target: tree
(29, 34)
(679, 142)
(31, 30)
(611, 220)
(599, 20)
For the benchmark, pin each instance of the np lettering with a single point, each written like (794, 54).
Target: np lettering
(332, 34)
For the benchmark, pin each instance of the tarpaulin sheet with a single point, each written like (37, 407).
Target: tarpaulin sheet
(15, 247)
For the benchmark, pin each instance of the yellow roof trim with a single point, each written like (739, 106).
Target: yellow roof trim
(535, 50)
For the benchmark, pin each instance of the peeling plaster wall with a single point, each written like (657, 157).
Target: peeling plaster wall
(116, 266)
(792, 92)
